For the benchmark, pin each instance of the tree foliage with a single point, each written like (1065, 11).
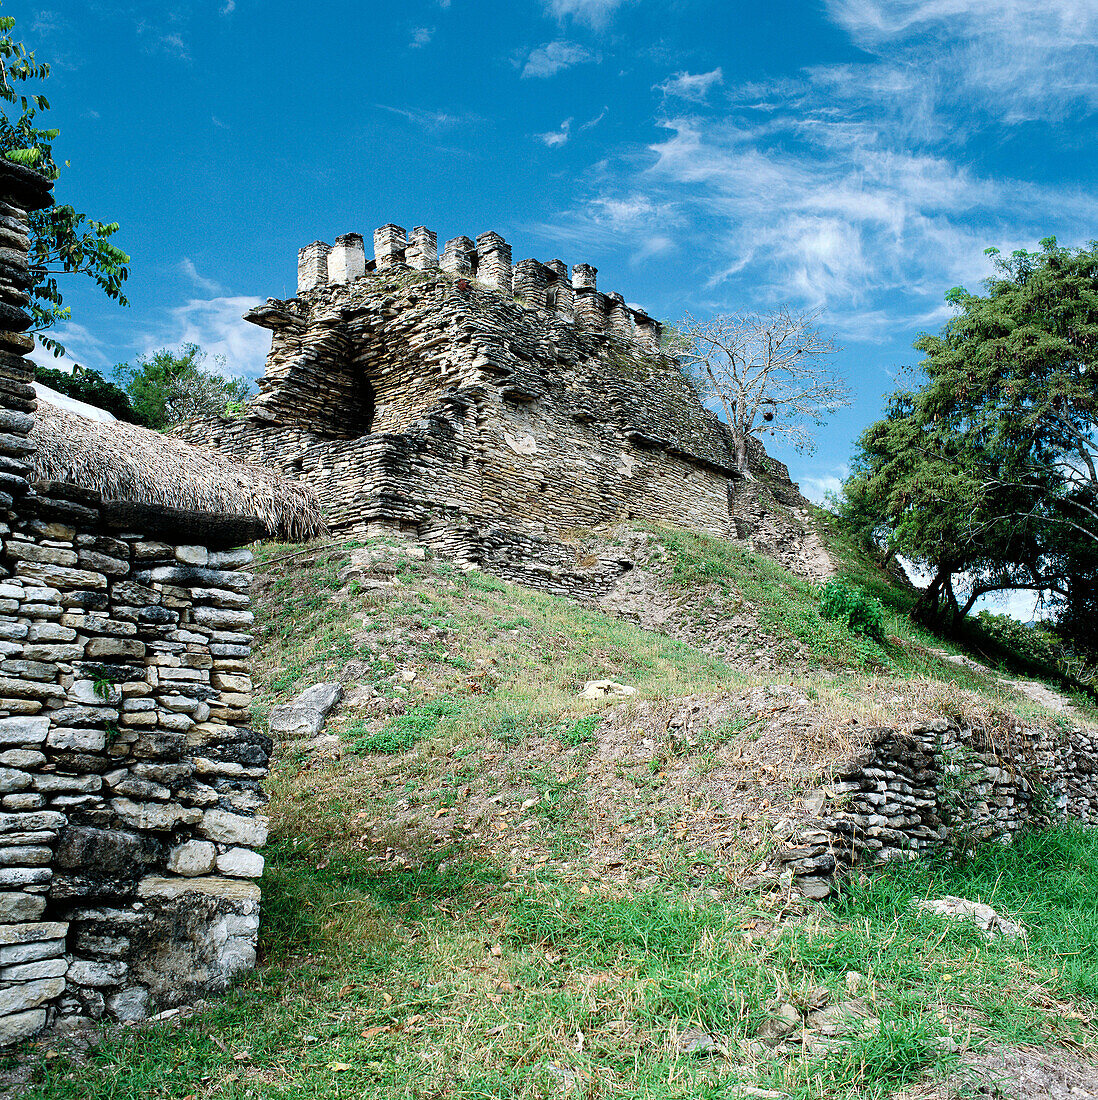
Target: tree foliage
(90, 386)
(986, 474)
(63, 241)
(769, 373)
(167, 387)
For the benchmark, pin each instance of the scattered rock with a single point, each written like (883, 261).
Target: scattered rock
(990, 923)
(305, 715)
(785, 1021)
(600, 689)
(697, 1042)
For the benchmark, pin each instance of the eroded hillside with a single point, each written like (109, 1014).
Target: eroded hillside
(482, 884)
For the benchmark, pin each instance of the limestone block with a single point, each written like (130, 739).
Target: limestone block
(154, 815)
(15, 731)
(18, 906)
(241, 863)
(228, 828)
(305, 715)
(194, 857)
(97, 972)
(192, 555)
(232, 889)
(77, 740)
(22, 1025)
(32, 822)
(100, 648)
(28, 995)
(28, 952)
(34, 971)
(13, 780)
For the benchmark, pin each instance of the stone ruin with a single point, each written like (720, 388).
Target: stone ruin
(486, 408)
(130, 781)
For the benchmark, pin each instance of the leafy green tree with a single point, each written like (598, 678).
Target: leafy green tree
(167, 387)
(989, 469)
(63, 241)
(90, 386)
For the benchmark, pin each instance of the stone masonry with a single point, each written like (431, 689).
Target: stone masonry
(472, 403)
(129, 777)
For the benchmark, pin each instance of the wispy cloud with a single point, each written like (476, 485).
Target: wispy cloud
(228, 7)
(591, 123)
(187, 268)
(217, 326)
(175, 45)
(429, 120)
(692, 86)
(594, 13)
(553, 57)
(421, 37)
(1018, 60)
(555, 138)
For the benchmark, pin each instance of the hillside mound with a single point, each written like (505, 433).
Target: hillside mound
(537, 852)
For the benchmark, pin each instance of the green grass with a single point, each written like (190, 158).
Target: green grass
(399, 962)
(438, 978)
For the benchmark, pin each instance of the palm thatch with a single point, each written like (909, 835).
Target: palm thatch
(124, 462)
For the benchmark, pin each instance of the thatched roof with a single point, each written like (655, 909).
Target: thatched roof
(123, 462)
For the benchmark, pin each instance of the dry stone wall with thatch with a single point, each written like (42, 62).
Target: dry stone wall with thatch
(487, 408)
(130, 781)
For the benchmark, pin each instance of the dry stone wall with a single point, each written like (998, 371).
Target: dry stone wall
(130, 781)
(422, 398)
(942, 784)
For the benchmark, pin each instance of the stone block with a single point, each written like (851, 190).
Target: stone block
(21, 1026)
(23, 731)
(194, 857)
(240, 863)
(226, 828)
(28, 995)
(18, 906)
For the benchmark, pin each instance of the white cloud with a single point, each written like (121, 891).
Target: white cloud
(1019, 59)
(556, 138)
(591, 123)
(421, 37)
(429, 120)
(176, 46)
(82, 347)
(186, 266)
(818, 487)
(692, 86)
(595, 13)
(218, 327)
(228, 7)
(553, 57)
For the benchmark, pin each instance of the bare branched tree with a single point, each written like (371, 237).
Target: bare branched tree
(768, 373)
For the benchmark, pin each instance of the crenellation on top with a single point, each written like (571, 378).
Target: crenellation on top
(573, 298)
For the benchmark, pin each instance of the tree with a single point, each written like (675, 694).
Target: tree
(988, 471)
(90, 386)
(767, 372)
(63, 241)
(167, 387)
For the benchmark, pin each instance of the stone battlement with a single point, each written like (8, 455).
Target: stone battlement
(488, 261)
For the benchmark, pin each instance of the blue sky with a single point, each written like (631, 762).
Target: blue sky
(854, 156)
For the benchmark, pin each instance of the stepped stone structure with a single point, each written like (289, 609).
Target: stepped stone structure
(483, 406)
(130, 791)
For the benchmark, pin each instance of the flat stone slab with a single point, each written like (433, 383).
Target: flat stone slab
(305, 715)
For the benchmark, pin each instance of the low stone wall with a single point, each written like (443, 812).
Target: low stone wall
(940, 784)
(130, 792)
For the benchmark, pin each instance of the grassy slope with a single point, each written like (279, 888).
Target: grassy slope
(412, 951)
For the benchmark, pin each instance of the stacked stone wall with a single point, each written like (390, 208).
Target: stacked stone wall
(912, 791)
(492, 412)
(130, 781)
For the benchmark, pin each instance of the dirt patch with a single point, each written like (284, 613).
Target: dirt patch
(1024, 1073)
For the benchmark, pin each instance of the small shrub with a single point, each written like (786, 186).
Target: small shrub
(849, 604)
